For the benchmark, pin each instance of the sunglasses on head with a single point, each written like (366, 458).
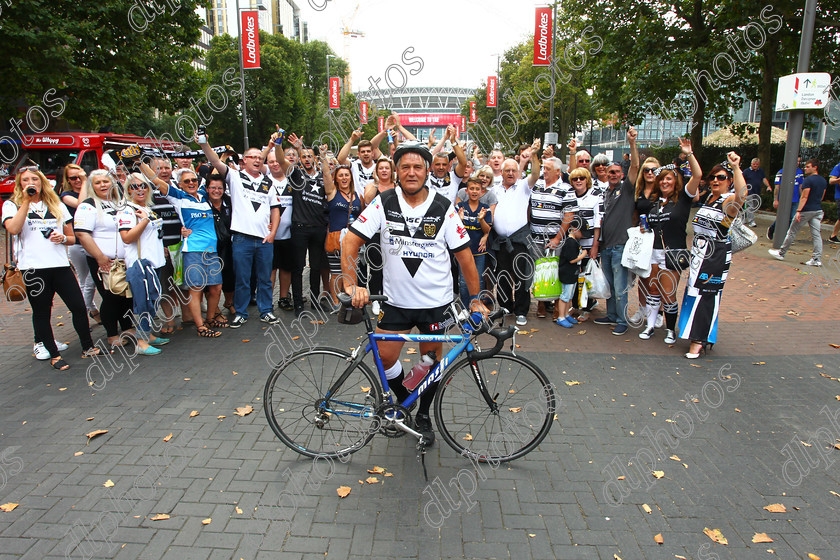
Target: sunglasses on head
(32, 168)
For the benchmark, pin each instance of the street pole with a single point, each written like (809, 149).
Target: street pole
(794, 135)
(242, 75)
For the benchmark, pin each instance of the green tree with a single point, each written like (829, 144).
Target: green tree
(110, 60)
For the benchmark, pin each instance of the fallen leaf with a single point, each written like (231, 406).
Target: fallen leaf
(715, 535)
(235, 373)
(833, 492)
(8, 507)
(819, 365)
(658, 538)
(77, 453)
(364, 389)
(759, 363)
(187, 378)
(813, 556)
(468, 437)
(616, 557)
(160, 517)
(658, 474)
(834, 345)
(521, 332)
(674, 458)
(653, 413)
(515, 409)
(238, 509)
(109, 483)
(167, 438)
(206, 521)
(411, 351)
(647, 508)
(220, 417)
(805, 443)
(622, 477)
(532, 535)
(343, 491)
(694, 365)
(776, 508)
(582, 332)
(571, 383)
(62, 388)
(59, 324)
(494, 372)
(737, 410)
(518, 346)
(372, 480)
(193, 414)
(761, 538)
(680, 557)
(376, 470)
(538, 330)
(512, 391)
(316, 322)
(91, 418)
(249, 340)
(389, 474)
(94, 433)
(244, 410)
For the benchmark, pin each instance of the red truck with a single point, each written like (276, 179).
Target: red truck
(53, 151)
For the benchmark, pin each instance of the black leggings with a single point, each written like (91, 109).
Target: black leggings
(309, 239)
(115, 311)
(41, 287)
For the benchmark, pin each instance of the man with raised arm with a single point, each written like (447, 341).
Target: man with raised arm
(363, 167)
(418, 229)
(443, 179)
(256, 216)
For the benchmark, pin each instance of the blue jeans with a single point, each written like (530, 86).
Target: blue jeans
(617, 276)
(246, 250)
(465, 293)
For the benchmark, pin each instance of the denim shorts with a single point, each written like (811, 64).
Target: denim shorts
(568, 292)
(202, 269)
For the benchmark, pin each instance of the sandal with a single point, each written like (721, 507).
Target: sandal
(168, 329)
(59, 364)
(91, 352)
(218, 321)
(207, 332)
(95, 316)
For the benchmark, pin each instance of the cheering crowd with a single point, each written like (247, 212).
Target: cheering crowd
(222, 234)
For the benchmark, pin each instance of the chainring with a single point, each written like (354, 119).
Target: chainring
(387, 425)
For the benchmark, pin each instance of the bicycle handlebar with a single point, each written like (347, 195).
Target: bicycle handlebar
(345, 299)
(500, 334)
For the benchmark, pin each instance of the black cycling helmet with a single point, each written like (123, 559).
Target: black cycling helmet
(413, 146)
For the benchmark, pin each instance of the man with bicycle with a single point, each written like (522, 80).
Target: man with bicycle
(418, 230)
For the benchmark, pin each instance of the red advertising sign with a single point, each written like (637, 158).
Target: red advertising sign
(492, 91)
(542, 37)
(250, 38)
(363, 112)
(458, 129)
(473, 112)
(463, 122)
(429, 119)
(381, 123)
(334, 102)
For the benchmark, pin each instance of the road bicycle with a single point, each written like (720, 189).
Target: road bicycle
(490, 406)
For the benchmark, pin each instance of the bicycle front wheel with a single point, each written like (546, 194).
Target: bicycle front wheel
(307, 420)
(516, 419)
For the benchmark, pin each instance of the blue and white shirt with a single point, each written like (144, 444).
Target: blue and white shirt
(197, 215)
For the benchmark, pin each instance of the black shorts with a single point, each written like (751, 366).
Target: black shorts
(283, 256)
(427, 321)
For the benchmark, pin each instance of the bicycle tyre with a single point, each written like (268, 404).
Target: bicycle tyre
(525, 405)
(297, 386)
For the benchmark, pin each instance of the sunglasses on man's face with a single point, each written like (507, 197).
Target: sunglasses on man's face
(584, 160)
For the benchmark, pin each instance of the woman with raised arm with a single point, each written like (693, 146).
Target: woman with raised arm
(645, 197)
(95, 223)
(343, 207)
(44, 229)
(668, 219)
(711, 254)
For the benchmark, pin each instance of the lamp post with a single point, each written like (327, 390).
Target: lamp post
(329, 111)
(590, 92)
(242, 67)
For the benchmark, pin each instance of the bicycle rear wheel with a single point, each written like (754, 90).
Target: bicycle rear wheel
(305, 420)
(516, 420)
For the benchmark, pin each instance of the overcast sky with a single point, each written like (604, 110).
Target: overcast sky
(456, 39)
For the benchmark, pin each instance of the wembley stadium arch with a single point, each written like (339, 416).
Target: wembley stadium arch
(421, 108)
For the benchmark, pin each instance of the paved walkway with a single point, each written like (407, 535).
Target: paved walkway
(749, 425)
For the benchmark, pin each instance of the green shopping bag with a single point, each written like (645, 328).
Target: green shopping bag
(177, 263)
(547, 286)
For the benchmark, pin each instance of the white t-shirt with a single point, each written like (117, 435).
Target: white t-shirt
(447, 186)
(361, 175)
(102, 226)
(415, 247)
(35, 250)
(497, 180)
(151, 244)
(283, 193)
(252, 199)
(512, 209)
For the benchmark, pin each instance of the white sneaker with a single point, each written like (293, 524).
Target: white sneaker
(646, 334)
(521, 320)
(813, 262)
(61, 346)
(776, 254)
(660, 320)
(670, 337)
(752, 224)
(637, 317)
(41, 353)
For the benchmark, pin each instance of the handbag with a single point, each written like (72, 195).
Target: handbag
(333, 242)
(13, 285)
(114, 278)
(740, 235)
(638, 251)
(547, 286)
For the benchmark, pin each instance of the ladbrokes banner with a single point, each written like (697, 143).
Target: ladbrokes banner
(250, 38)
(542, 37)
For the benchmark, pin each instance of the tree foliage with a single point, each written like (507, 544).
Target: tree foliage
(110, 63)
